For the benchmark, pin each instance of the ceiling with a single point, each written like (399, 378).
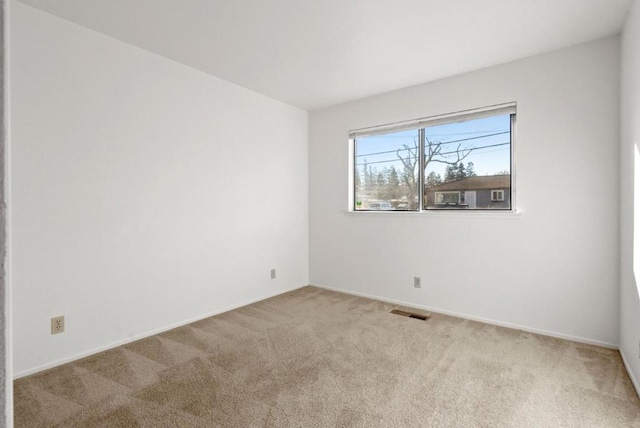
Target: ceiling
(317, 53)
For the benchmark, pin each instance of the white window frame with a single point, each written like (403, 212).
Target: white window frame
(420, 124)
(497, 199)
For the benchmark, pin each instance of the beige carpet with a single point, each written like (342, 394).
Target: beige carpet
(315, 358)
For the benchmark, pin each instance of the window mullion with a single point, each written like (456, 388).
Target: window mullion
(421, 178)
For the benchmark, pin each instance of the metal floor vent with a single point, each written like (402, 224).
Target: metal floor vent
(410, 314)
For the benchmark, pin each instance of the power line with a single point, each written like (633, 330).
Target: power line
(444, 153)
(491, 151)
(475, 148)
(382, 161)
(441, 143)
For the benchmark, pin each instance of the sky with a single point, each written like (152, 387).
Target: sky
(380, 151)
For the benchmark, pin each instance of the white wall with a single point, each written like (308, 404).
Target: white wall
(557, 264)
(6, 380)
(630, 198)
(144, 193)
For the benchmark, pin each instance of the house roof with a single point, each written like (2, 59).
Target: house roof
(479, 182)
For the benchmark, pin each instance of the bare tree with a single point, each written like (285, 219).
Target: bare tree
(432, 153)
(408, 174)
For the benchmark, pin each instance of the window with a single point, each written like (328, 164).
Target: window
(445, 198)
(460, 161)
(380, 206)
(497, 195)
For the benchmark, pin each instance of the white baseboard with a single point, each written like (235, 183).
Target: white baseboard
(473, 318)
(354, 293)
(636, 385)
(147, 334)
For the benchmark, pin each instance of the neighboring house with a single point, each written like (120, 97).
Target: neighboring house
(479, 192)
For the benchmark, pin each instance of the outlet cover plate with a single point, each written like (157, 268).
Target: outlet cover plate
(57, 324)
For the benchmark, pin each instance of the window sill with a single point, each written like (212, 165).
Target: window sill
(510, 215)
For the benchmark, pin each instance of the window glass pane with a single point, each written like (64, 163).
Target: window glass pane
(387, 171)
(447, 198)
(471, 158)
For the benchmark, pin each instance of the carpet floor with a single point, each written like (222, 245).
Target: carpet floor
(317, 358)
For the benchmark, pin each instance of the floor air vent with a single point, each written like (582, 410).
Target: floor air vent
(410, 314)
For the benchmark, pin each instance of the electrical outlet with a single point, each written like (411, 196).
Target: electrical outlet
(57, 324)
(416, 282)
(273, 274)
